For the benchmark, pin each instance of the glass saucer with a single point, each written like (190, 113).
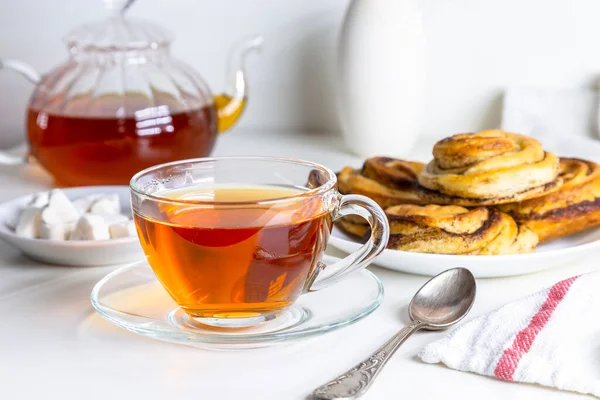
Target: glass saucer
(133, 299)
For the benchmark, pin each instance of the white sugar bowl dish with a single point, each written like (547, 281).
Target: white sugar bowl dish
(82, 226)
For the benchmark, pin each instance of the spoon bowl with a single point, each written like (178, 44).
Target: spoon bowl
(444, 300)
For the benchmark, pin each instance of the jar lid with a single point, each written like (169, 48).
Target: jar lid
(118, 33)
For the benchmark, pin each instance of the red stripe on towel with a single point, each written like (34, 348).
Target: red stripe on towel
(524, 340)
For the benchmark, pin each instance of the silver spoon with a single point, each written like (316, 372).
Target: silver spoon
(441, 302)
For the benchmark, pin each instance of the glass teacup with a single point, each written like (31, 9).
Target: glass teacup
(236, 240)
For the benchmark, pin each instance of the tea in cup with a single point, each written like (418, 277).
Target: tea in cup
(235, 241)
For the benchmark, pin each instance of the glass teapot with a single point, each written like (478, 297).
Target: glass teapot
(121, 103)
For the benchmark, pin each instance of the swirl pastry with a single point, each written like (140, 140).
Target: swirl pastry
(572, 208)
(387, 181)
(487, 168)
(457, 230)
(354, 226)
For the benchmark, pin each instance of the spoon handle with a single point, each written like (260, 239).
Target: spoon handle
(355, 382)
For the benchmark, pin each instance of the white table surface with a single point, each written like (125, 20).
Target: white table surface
(53, 345)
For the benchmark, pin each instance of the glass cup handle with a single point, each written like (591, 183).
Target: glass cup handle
(380, 232)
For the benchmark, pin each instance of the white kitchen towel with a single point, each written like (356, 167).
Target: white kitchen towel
(551, 338)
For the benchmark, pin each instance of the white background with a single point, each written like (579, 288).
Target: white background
(476, 48)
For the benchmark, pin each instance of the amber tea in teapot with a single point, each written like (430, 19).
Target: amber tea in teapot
(121, 103)
(113, 149)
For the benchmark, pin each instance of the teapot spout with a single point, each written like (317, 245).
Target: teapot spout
(25, 70)
(232, 102)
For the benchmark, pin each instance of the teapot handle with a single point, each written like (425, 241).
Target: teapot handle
(32, 76)
(9, 159)
(22, 68)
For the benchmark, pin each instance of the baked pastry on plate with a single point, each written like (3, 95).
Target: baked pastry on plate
(572, 208)
(488, 168)
(354, 226)
(457, 230)
(387, 181)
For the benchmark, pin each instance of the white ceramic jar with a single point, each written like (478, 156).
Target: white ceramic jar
(381, 76)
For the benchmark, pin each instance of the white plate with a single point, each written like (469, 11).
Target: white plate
(78, 253)
(550, 255)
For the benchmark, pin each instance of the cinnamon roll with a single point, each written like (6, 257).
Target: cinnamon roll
(457, 230)
(387, 181)
(354, 226)
(572, 208)
(488, 168)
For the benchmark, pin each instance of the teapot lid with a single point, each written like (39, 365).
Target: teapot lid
(118, 33)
